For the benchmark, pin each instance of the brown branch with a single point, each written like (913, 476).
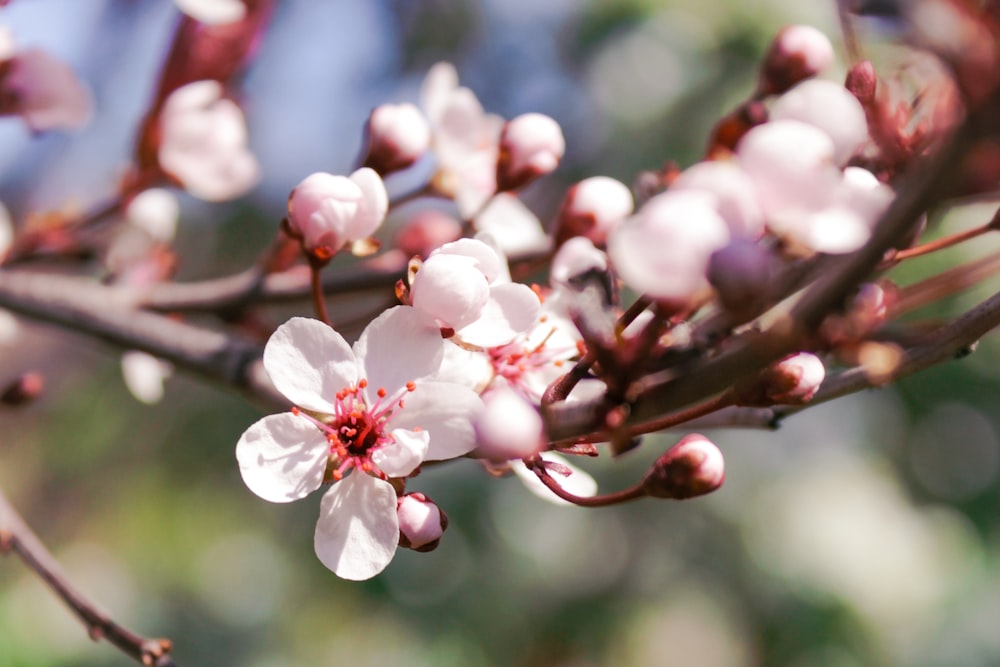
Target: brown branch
(110, 314)
(16, 537)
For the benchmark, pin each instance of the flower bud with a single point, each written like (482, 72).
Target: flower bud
(741, 274)
(692, 467)
(576, 257)
(23, 390)
(862, 82)
(328, 212)
(793, 381)
(427, 231)
(531, 145)
(155, 211)
(509, 427)
(398, 134)
(797, 52)
(592, 208)
(421, 522)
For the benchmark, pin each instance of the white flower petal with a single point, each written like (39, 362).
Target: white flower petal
(578, 482)
(446, 411)
(144, 375)
(511, 310)
(282, 457)
(396, 348)
(516, 229)
(357, 531)
(309, 363)
(399, 458)
(373, 205)
(486, 258)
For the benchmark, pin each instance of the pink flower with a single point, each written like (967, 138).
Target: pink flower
(364, 416)
(465, 139)
(737, 199)
(663, 250)
(398, 135)
(531, 145)
(42, 89)
(421, 522)
(204, 143)
(329, 212)
(465, 286)
(830, 107)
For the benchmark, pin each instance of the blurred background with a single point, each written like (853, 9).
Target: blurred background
(862, 533)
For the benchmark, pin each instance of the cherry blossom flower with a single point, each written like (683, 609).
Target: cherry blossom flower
(363, 416)
(465, 286)
(204, 143)
(398, 135)
(465, 139)
(830, 107)
(531, 145)
(515, 229)
(737, 198)
(213, 12)
(40, 88)
(328, 212)
(663, 250)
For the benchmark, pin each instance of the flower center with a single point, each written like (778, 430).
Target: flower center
(356, 431)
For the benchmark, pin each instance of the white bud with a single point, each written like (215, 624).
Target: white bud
(531, 145)
(327, 212)
(592, 208)
(398, 135)
(421, 522)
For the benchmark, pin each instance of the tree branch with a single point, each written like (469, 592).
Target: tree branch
(16, 537)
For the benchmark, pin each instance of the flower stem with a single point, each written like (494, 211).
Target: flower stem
(316, 284)
(939, 244)
(537, 465)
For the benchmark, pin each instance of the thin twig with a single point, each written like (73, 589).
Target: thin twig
(16, 537)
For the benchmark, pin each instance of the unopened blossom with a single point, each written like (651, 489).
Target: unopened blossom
(330, 212)
(663, 250)
(465, 139)
(692, 467)
(24, 389)
(793, 380)
(397, 135)
(592, 208)
(421, 522)
(737, 198)
(204, 143)
(798, 52)
(213, 12)
(741, 274)
(509, 427)
(42, 89)
(830, 107)
(464, 287)
(515, 229)
(575, 257)
(531, 145)
(362, 416)
(155, 211)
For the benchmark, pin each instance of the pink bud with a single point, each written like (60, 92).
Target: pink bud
(862, 82)
(421, 522)
(692, 467)
(25, 389)
(741, 274)
(426, 231)
(327, 212)
(509, 427)
(798, 52)
(592, 208)
(531, 145)
(398, 134)
(44, 91)
(793, 380)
